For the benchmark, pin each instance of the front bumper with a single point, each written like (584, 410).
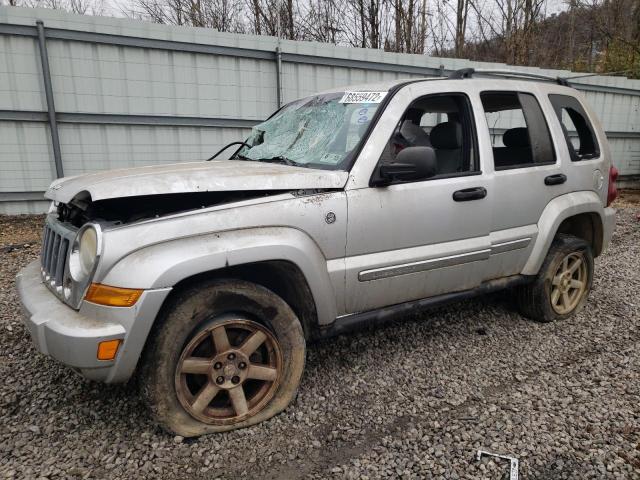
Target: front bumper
(72, 337)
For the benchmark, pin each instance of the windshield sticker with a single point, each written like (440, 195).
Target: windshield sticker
(363, 116)
(362, 97)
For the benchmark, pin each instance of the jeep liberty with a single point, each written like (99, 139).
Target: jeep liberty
(341, 210)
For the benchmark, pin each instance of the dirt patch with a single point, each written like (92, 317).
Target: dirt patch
(628, 199)
(20, 229)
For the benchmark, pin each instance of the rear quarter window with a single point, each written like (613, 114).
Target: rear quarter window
(578, 131)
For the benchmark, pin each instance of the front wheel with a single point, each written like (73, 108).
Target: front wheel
(226, 355)
(563, 283)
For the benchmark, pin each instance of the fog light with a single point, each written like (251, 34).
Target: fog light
(112, 296)
(108, 349)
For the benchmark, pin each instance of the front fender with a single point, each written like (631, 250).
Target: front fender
(556, 211)
(167, 263)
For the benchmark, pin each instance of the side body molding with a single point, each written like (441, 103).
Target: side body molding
(165, 264)
(557, 210)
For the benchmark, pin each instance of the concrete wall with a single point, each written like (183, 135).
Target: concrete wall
(129, 93)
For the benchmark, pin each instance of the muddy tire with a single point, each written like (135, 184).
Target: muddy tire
(224, 355)
(563, 283)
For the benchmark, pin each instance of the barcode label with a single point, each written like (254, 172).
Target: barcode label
(362, 97)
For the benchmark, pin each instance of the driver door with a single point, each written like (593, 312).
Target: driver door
(416, 239)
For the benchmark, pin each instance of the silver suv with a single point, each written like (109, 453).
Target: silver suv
(341, 210)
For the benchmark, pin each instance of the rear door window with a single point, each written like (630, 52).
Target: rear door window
(519, 132)
(578, 131)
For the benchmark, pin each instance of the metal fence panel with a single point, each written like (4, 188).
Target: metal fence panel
(20, 75)
(100, 147)
(25, 157)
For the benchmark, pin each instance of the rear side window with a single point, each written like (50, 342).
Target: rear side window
(578, 131)
(519, 133)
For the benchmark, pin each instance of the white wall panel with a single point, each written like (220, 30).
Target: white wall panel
(20, 77)
(25, 157)
(90, 148)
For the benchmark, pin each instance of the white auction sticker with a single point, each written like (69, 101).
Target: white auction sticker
(362, 97)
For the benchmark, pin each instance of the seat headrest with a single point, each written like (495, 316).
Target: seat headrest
(447, 136)
(516, 137)
(415, 135)
(414, 115)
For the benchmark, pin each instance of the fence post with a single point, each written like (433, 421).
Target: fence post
(48, 91)
(279, 76)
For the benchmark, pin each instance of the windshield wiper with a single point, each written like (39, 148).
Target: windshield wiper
(280, 159)
(225, 147)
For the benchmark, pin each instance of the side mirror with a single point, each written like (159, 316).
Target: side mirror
(412, 163)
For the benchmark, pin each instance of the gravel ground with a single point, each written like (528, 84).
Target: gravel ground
(415, 399)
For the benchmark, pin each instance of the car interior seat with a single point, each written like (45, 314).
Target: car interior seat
(411, 130)
(516, 150)
(446, 139)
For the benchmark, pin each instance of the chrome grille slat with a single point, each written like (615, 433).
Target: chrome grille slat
(45, 236)
(49, 252)
(54, 256)
(45, 247)
(62, 259)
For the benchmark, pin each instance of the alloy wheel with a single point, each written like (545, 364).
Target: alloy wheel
(569, 283)
(228, 371)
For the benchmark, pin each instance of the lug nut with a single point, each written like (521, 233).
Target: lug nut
(217, 366)
(231, 356)
(235, 379)
(242, 365)
(220, 380)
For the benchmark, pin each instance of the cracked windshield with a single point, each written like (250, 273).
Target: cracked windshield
(322, 131)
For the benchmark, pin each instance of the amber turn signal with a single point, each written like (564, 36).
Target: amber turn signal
(107, 350)
(112, 296)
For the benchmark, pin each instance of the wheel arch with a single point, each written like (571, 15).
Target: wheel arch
(579, 214)
(277, 258)
(282, 277)
(587, 226)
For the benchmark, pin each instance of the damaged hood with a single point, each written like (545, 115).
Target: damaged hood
(216, 176)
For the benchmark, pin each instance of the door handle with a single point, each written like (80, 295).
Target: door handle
(475, 193)
(555, 179)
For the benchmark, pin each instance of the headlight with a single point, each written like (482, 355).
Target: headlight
(84, 254)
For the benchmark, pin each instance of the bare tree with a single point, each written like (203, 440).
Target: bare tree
(462, 12)
(222, 15)
(320, 21)
(82, 7)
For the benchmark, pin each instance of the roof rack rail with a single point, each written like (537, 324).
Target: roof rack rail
(470, 72)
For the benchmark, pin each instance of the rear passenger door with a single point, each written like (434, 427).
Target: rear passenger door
(528, 174)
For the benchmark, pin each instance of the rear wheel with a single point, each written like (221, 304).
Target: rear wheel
(226, 356)
(563, 283)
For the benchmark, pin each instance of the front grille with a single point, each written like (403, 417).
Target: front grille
(56, 242)
(54, 255)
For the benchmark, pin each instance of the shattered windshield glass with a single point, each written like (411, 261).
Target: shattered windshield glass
(317, 132)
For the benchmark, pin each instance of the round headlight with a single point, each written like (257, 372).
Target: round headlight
(83, 254)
